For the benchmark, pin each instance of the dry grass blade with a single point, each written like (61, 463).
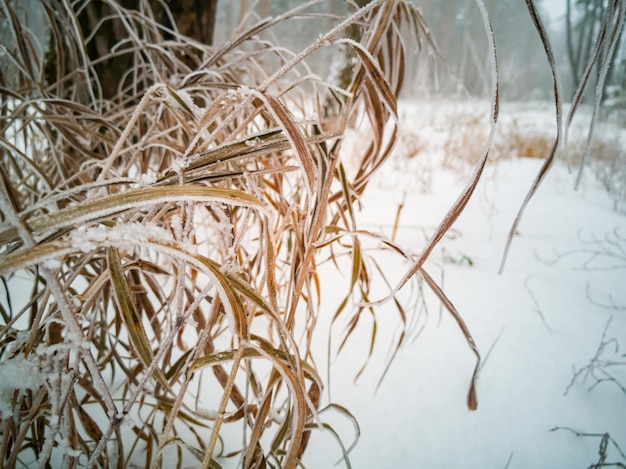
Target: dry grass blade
(472, 401)
(376, 75)
(547, 164)
(295, 137)
(39, 254)
(208, 454)
(282, 365)
(252, 457)
(128, 312)
(608, 37)
(200, 166)
(102, 208)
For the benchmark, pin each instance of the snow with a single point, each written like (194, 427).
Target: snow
(30, 377)
(146, 179)
(253, 142)
(535, 325)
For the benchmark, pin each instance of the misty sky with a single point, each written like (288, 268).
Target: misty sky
(555, 8)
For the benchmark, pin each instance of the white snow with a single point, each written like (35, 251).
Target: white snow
(535, 325)
(147, 179)
(17, 373)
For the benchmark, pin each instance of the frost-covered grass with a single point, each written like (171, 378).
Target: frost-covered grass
(182, 261)
(159, 247)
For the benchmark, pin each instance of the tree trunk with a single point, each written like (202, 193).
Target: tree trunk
(573, 60)
(193, 18)
(342, 67)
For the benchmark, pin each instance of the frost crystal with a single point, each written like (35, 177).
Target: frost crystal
(189, 102)
(52, 264)
(253, 142)
(128, 236)
(177, 225)
(210, 414)
(147, 179)
(179, 165)
(29, 375)
(243, 90)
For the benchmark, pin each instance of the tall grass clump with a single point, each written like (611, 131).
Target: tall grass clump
(159, 246)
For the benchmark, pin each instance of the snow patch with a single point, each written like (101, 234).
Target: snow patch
(17, 373)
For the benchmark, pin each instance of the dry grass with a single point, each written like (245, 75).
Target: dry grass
(168, 237)
(457, 132)
(606, 160)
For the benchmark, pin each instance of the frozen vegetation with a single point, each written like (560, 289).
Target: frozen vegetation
(375, 243)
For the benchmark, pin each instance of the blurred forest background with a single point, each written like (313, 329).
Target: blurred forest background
(460, 70)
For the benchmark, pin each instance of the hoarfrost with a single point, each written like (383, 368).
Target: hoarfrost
(129, 236)
(189, 102)
(210, 414)
(230, 266)
(17, 373)
(179, 165)
(52, 264)
(243, 91)
(177, 226)
(147, 179)
(253, 142)
(82, 242)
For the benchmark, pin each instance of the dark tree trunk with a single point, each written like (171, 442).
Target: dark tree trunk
(193, 18)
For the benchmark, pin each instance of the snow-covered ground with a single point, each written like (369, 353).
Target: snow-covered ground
(538, 323)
